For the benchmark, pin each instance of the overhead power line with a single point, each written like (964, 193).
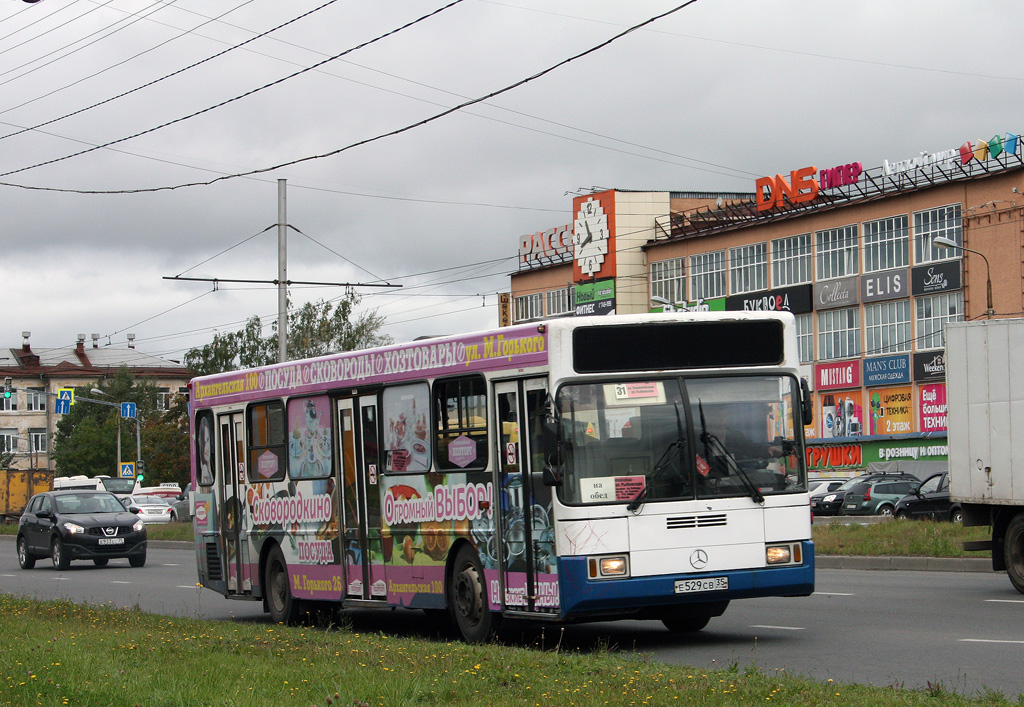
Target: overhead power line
(239, 97)
(359, 143)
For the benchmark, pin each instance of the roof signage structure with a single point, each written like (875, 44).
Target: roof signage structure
(771, 192)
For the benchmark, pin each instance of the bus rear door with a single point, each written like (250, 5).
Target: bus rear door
(231, 489)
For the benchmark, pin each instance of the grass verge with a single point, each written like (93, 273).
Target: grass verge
(60, 653)
(913, 538)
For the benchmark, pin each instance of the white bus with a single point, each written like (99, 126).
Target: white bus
(119, 487)
(635, 466)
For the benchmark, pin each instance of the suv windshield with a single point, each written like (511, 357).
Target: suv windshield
(680, 438)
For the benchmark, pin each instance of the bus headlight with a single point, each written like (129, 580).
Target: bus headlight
(789, 554)
(608, 567)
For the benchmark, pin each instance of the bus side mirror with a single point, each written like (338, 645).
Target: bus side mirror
(806, 404)
(551, 476)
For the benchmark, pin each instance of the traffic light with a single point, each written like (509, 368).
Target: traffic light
(7, 387)
(140, 470)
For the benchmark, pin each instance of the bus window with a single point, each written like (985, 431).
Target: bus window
(406, 427)
(266, 441)
(460, 406)
(309, 438)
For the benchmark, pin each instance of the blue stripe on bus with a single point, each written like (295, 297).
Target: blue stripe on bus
(580, 595)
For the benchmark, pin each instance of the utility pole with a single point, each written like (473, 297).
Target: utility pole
(282, 270)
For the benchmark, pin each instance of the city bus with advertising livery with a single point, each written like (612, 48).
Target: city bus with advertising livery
(578, 469)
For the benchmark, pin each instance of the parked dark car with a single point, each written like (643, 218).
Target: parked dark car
(830, 503)
(877, 497)
(79, 525)
(931, 500)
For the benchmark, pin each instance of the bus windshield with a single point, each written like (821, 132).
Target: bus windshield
(119, 485)
(680, 439)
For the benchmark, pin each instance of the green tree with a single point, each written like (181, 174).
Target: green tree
(86, 438)
(314, 329)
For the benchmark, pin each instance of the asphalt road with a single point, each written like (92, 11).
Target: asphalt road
(963, 630)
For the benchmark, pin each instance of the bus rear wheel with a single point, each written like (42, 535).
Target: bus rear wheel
(467, 598)
(283, 607)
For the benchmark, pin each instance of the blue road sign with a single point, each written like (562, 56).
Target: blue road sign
(127, 470)
(128, 410)
(62, 406)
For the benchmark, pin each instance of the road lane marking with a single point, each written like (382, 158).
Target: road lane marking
(780, 628)
(1006, 601)
(833, 594)
(985, 640)
(60, 579)
(186, 586)
(118, 581)
(169, 564)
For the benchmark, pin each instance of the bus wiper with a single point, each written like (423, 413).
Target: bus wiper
(679, 443)
(713, 447)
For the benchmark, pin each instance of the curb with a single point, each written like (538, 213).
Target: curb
(935, 564)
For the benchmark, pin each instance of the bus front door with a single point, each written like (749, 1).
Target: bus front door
(529, 570)
(231, 487)
(360, 498)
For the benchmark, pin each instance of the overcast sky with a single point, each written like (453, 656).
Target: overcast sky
(708, 98)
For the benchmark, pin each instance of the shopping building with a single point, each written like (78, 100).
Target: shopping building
(28, 418)
(872, 261)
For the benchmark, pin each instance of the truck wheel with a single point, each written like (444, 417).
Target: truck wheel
(467, 598)
(957, 516)
(283, 607)
(25, 558)
(1013, 552)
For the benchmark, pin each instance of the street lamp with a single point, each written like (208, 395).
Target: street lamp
(944, 242)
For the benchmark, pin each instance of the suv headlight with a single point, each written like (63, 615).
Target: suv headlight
(139, 525)
(828, 499)
(72, 528)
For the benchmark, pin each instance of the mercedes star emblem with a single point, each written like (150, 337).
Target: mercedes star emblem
(699, 559)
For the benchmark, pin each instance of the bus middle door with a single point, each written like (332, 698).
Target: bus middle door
(529, 571)
(231, 478)
(360, 497)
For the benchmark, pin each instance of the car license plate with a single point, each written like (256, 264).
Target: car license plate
(708, 584)
(111, 541)
(850, 505)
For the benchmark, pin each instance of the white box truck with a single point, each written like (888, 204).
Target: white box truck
(985, 397)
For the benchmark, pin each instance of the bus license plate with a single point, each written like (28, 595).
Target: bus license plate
(708, 584)
(111, 541)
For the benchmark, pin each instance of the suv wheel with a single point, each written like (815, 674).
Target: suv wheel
(25, 558)
(60, 558)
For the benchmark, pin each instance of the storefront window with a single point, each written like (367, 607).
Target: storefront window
(933, 313)
(836, 252)
(707, 275)
(791, 260)
(944, 221)
(839, 333)
(885, 244)
(748, 268)
(887, 327)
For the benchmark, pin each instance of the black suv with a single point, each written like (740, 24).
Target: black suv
(830, 503)
(79, 525)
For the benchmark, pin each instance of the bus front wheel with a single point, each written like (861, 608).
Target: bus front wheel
(283, 607)
(467, 598)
